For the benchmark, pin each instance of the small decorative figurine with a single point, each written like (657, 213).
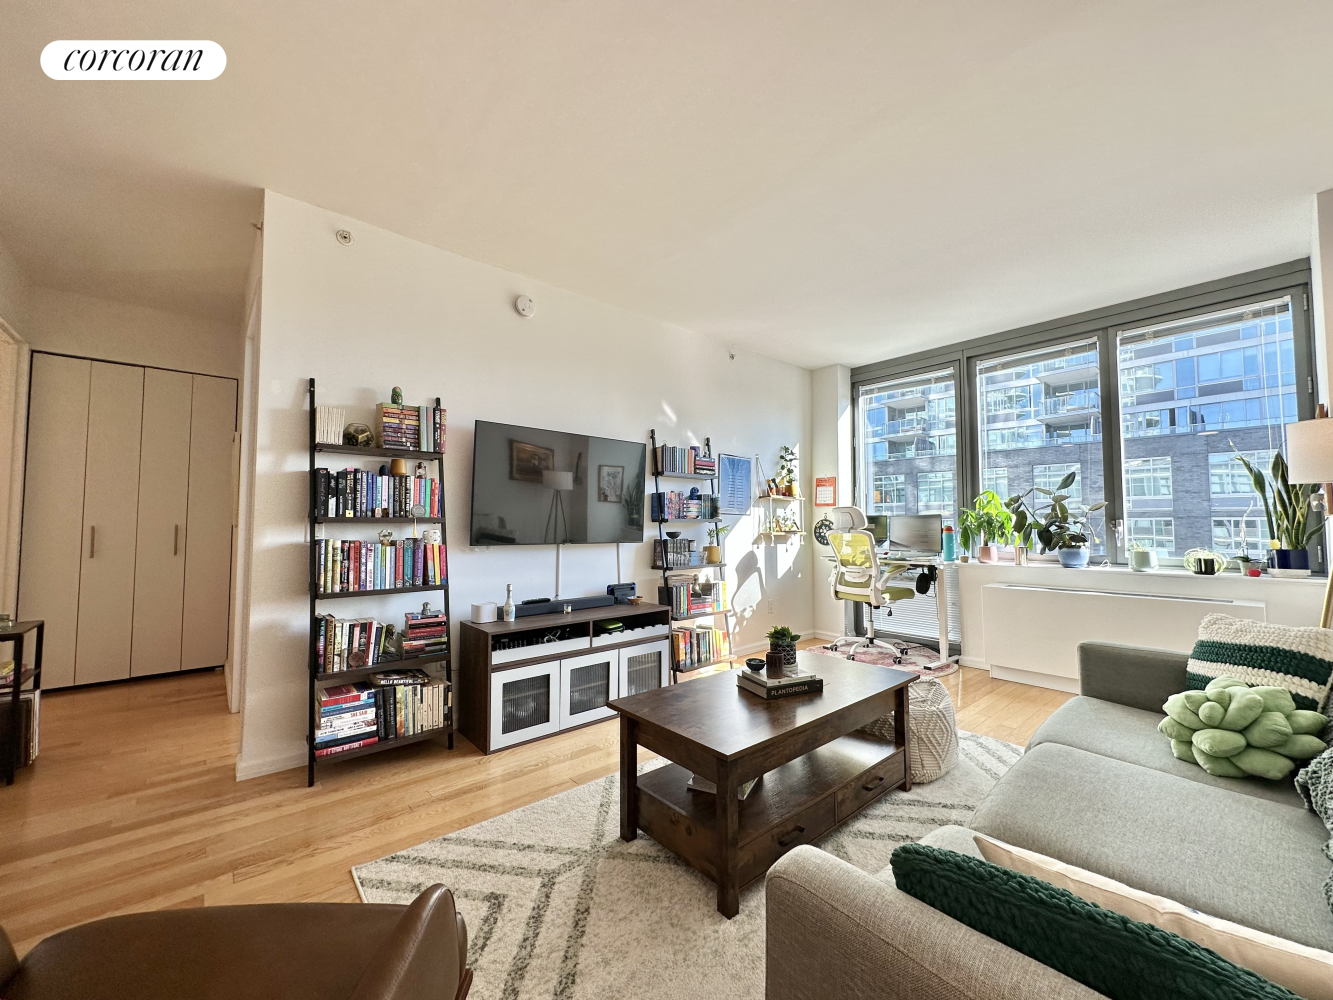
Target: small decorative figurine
(359, 435)
(396, 396)
(431, 536)
(386, 535)
(421, 470)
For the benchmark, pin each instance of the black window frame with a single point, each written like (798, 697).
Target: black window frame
(1292, 278)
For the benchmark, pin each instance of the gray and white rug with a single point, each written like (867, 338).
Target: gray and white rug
(557, 906)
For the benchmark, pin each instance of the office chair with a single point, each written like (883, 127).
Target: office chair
(859, 577)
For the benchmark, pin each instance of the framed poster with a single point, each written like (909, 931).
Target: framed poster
(527, 462)
(734, 475)
(610, 483)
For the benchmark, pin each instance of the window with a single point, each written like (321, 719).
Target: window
(935, 493)
(1226, 370)
(1233, 536)
(1047, 477)
(912, 444)
(997, 481)
(1155, 533)
(889, 495)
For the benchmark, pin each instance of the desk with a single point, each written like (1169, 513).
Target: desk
(15, 632)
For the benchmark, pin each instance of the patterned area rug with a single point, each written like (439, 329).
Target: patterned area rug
(908, 656)
(558, 907)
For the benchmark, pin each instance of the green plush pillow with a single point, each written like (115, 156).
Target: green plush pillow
(1297, 660)
(1118, 957)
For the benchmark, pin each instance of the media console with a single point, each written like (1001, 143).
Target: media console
(529, 679)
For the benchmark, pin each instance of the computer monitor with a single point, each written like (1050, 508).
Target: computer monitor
(917, 532)
(879, 527)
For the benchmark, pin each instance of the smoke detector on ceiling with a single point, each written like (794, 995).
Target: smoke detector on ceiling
(344, 237)
(524, 306)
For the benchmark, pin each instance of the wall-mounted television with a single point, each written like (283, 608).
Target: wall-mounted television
(532, 486)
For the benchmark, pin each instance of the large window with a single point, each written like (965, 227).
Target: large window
(1149, 402)
(907, 460)
(1053, 427)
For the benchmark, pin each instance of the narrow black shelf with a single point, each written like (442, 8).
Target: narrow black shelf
(700, 614)
(397, 741)
(351, 449)
(690, 520)
(699, 666)
(372, 593)
(685, 475)
(380, 667)
(325, 519)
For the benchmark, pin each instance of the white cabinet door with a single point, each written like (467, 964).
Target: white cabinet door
(645, 667)
(207, 536)
(53, 508)
(159, 564)
(525, 703)
(587, 683)
(110, 523)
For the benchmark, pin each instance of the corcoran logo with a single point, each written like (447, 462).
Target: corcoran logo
(133, 60)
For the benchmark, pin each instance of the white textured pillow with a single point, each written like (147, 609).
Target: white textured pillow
(1307, 972)
(1294, 657)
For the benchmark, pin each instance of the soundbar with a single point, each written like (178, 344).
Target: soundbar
(550, 607)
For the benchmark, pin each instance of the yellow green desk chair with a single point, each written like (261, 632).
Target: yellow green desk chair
(860, 577)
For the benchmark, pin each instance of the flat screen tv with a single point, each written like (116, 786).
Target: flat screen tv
(532, 486)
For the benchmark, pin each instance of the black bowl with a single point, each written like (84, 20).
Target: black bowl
(755, 663)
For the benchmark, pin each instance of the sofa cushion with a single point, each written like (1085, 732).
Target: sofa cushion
(1237, 857)
(1299, 659)
(1104, 950)
(1130, 734)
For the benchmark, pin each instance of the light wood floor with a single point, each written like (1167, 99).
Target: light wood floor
(134, 804)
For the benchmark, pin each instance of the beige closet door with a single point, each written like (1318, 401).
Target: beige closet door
(110, 523)
(208, 541)
(159, 564)
(49, 553)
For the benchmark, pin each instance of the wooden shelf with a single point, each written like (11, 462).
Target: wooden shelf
(324, 519)
(383, 666)
(700, 614)
(689, 520)
(685, 475)
(376, 593)
(400, 741)
(699, 666)
(351, 449)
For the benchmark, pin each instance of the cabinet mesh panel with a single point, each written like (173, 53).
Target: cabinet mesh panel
(525, 703)
(589, 687)
(643, 672)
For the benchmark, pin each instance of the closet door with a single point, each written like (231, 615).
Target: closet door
(110, 523)
(159, 564)
(208, 539)
(49, 553)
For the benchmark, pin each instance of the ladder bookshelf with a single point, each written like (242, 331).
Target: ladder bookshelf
(668, 562)
(436, 664)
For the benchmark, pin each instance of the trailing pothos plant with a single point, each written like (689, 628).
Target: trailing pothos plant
(1288, 510)
(1053, 521)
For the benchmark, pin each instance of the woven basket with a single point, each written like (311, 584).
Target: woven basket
(933, 745)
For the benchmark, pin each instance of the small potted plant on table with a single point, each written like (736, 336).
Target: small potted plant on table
(713, 550)
(1141, 558)
(988, 522)
(1287, 510)
(1060, 527)
(782, 640)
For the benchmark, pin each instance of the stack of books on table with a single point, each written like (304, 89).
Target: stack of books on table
(425, 633)
(348, 719)
(412, 428)
(771, 688)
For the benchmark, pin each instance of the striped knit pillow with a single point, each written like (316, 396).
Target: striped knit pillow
(1259, 653)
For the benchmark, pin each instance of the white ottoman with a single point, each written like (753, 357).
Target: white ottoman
(933, 745)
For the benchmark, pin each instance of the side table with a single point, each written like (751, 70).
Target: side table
(16, 632)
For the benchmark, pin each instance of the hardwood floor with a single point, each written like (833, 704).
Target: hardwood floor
(134, 804)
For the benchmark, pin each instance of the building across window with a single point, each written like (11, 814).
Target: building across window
(890, 495)
(997, 481)
(1148, 483)
(1047, 477)
(1155, 533)
(906, 431)
(1234, 536)
(935, 493)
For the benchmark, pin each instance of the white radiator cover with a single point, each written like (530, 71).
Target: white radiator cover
(1032, 633)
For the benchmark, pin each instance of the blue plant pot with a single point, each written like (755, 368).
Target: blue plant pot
(1289, 562)
(1073, 558)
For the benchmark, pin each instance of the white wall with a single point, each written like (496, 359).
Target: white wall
(390, 311)
(15, 292)
(70, 323)
(1321, 268)
(831, 446)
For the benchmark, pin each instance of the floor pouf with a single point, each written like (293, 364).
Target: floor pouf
(933, 748)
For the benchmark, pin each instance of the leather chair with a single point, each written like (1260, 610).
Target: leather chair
(292, 951)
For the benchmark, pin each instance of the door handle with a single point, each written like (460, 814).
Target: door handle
(92, 541)
(791, 835)
(879, 780)
(176, 541)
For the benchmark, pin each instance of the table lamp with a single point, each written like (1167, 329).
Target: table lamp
(1310, 460)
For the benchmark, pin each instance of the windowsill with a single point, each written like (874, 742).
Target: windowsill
(1167, 572)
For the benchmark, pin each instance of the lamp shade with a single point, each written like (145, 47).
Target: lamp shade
(558, 480)
(1310, 451)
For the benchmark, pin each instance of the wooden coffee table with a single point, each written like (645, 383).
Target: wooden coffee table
(816, 773)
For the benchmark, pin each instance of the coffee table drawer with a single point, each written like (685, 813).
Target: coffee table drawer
(758, 855)
(870, 785)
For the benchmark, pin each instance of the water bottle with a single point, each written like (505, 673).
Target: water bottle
(950, 553)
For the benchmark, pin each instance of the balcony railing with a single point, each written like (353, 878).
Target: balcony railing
(1083, 401)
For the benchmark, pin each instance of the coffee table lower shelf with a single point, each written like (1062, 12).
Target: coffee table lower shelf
(796, 803)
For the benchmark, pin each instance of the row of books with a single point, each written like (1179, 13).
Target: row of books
(397, 704)
(675, 553)
(757, 682)
(425, 633)
(683, 461)
(697, 647)
(346, 565)
(360, 493)
(412, 428)
(350, 643)
(330, 421)
(672, 506)
(684, 599)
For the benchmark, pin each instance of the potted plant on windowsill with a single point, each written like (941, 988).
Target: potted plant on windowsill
(987, 522)
(1287, 510)
(1141, 558)
(713, 550)
(1060, 527)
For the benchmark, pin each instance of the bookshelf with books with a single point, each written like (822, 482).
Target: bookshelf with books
(695, 594)
(383, 680)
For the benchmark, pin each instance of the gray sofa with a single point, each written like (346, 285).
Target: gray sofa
(1099, 788)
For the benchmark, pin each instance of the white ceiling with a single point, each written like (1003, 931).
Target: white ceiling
(820, 181)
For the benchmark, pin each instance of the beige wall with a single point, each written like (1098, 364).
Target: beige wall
(70, 323)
